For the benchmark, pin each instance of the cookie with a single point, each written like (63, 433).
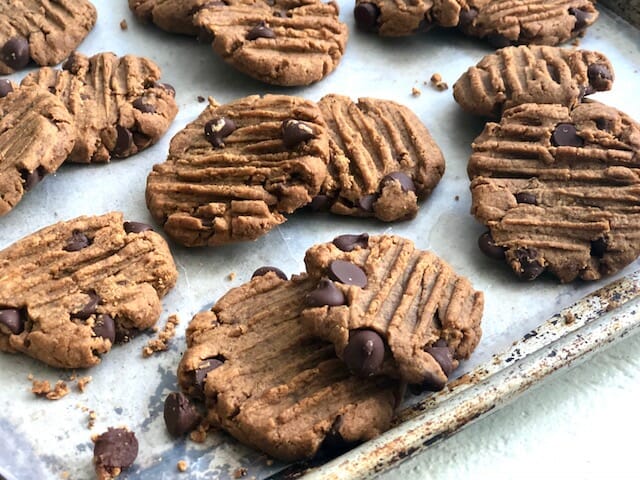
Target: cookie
(174, 16)
(280, 42)
(114, 450)
(536, 74)
(71, 290)
(118, 105)
(383, 159)
(36, 135)
(559, 190)
(41, 30)
(233, 173)
(525, 22)
(391, 309)
(269, 383)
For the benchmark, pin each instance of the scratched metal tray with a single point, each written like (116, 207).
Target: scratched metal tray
(530, 329)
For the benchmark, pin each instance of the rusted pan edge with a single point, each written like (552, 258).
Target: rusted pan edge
(569, 337)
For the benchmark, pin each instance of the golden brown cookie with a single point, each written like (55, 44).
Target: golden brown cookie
(268, 382)
(527, 22)
(559, 190)
(536, 74)
(391, 309)
(233, 172)
(118, 105)
(383, 159)
(45, 31)
(70, 290)
(280, 42)
(36, 135)
(174, 16)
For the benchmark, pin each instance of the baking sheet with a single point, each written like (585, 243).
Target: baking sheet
(48, 439)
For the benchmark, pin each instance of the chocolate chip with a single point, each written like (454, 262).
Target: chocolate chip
(15, 53)
(200, 374)
(264, 270)
(77, 242)
(261, 30)
(90, 307)
(326, 293)
(180, 416)
(5, 88)
(320, 203)
(347, 273)
(295, 132)
(366, 15)
(116, 448)
(139, 104)
(405, 181)
(566, 135)
(31, 179)
(582, 18)
(599, 76)
(526, 197)
(11, 318)
(489, 247)
(442, 354)
(498, 41)
(599, 247)
(218, 128)
(347, 243)
(604, 124)
(530, 266)
(70, 64)
(105, 327)
(124, 141)
(136, 227)
(364, 353)
(467, 17)
(366, 202)
(166, 86)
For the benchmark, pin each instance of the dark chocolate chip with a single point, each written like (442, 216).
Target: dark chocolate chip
(5, 88)
(467, 17)
(11, 318)
(347, 243)
(264, 270)
(90, 307)
(489, 247)
(218, 128)
(526, 197)
(566, 135)
(604, 124)
(366, 15)
(320, 203)
(261, 30)
(347, 273)
(405, 181)
(139, 104)
(77, 242)
(442, 355)
(200, 374)
(136, 227)
(498, 41)
(205, 35)
(116, 448)
(366, 202)
(31, 179)
(295, 132)
(180, 416)
(599, 76)
(582, 18)
(15, 53)
(364, 353)
(200, 98)
(105, 327)
(124, 141)
(166, 86)
(326, 293)
(530, 266)
(598, 247)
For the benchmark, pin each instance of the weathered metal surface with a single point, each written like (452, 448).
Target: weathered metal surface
(627, 9)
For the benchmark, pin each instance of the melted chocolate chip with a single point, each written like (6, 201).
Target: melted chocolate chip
(166, 86)
(442, 354)
(89, 308)
(599, 247)
(77, 242)
(71, 63)
(326, 293)
(320, 203)
(218, 128)
(604, 124)
(15, 53)
(582, 18)
(116, 448)
(12, 319)
(261, 30)
(264, 270)
(366, 15)
(467, 17)
(366, 202)
(599, 76)
(5, 88)
(31, 179)
(140, 104)
(405, 181)
(105, 327)
(526, 197)
(206, 366)
(124, 141)
(364, 353)
(347, 243)
(295, 132)
(566, 135)
(347, 273)
(136, 227)
(530, 266)
(489, 247)
(180, 416)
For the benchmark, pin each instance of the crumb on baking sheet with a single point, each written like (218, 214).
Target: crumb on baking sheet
(269, 462)
(82, 383)
(232, 276)
(182, 466)
(64, 475)
(123, 24)
(42, 388)
(240, 472)
(569, 318)
(415, 92)
(92, 419)
(438, 83)
(457, 198)
(161, 342)
(201, 98)
(199, 435)
(30, 377)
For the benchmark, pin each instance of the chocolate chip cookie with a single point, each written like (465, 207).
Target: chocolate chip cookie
(383, 159)
(391, 309)
(41, 30)
(71, 290)
(268, 382)
(36, 135)
(233, 173)
(118, 104)
(536, 74)
(559, 190)
(280, 42)
(174, 16)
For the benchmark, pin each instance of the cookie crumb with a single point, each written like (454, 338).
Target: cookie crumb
(436, 78)
(82, 383)
(201, 98)
(231, 277)
(64, 475)
(415, 92)
(72, 377)
(269, 462)
(569, 318)
(42, 388)
(456, 198)
(182, 466)
(436, 81)
(123, 24)
(30, 377)
(199, 435)
(240, 472)
(161, 342)
(92, 419)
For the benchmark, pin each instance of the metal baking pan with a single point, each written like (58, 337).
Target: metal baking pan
(530, 329)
